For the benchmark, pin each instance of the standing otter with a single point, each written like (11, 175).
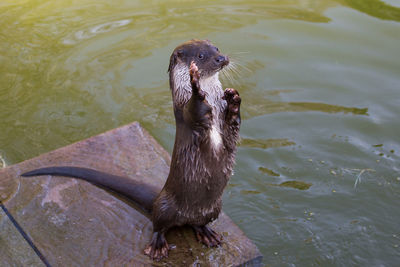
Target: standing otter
(207, 130)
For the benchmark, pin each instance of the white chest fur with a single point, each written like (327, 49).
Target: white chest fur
(215, 137)
(213, 89)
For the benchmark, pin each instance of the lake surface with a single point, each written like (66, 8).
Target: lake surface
(320, 87)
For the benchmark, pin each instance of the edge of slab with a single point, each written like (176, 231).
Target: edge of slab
(54, 205)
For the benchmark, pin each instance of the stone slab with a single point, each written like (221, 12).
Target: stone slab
(74, 223)
(14, 250)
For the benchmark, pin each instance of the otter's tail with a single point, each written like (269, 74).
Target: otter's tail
(141, 193)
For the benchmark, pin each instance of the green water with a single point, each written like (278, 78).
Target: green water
(320, 85)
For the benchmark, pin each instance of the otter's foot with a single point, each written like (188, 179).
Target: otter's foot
(158, 247)
(207, 236)
(233, 110)
(194, 81)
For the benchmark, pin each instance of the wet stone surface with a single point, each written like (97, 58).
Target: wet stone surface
(76, 223)
(14, 250)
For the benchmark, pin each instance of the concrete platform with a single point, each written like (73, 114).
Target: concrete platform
(74, 223)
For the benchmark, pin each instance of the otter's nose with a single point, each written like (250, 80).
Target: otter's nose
(223, 60)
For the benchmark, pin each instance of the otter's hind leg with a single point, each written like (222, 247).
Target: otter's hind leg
(158, 247)
(207, 236)
(163, 217)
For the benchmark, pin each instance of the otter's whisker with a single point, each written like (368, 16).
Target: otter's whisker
(240, 66)
(226, 72)
(233, 68)
(240, 53)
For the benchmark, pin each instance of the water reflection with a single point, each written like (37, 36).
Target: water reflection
(375, 8)
(268, 171)
(296, 185)
(265, 143)
(267, 107)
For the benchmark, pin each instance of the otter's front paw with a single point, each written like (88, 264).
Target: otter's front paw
(194, 81)
(233, 109)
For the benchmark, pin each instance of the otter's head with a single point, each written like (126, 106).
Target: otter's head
(206, 56)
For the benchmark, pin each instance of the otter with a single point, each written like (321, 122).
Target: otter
(207, 131)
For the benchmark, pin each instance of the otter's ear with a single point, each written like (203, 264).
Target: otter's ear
(174, 58)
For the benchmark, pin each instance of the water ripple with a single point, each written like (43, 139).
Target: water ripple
(95, 30)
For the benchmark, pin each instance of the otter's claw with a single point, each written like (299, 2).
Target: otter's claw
(207, 236)
(158, 247)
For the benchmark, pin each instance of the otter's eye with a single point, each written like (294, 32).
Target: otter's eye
(201, 56)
